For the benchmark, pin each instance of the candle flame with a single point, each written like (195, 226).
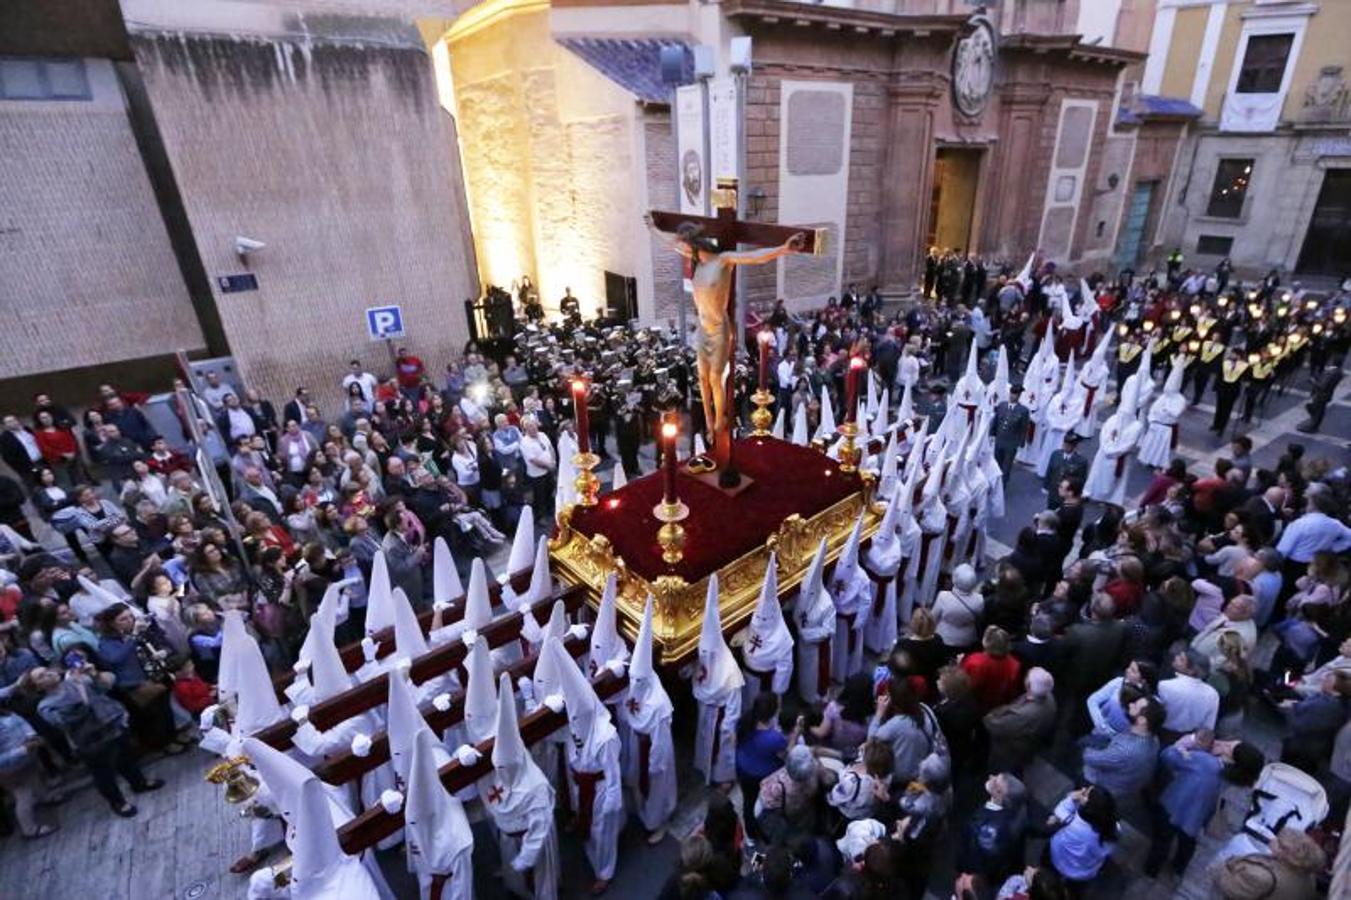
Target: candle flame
(856, 362)
(766, 336)
(668, 431)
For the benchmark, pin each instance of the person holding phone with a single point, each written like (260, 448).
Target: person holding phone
(96, 726)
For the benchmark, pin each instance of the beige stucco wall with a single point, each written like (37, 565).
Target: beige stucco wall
(1223, 65)
(87, 276)
(334, 151)
(1188, 29)
(1327, 42)
(555, 160)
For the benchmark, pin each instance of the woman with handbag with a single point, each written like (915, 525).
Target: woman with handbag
(276, 613)
(96, 727)
(141, 680)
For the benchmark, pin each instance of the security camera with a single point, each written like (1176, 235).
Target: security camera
(244, 245)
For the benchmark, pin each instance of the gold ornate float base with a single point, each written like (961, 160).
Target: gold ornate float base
(678, 605)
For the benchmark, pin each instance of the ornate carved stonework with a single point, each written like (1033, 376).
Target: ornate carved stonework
(1325, 100)
(973, 61)
(678, 605)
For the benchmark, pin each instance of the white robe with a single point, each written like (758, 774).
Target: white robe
(357, 877)
(884, 561)
(1117, 440)
(458, 881)
(1156, 447)
(1063, 415)
(715, 738)
(815, 639)
(1033, 399)
(956, 501)
(1092, 384)
(907, 577)
(607, 805)
(338, 740)
(526, 837)
(933, 527)
(972, 527)
(658, 801)
(853, 603)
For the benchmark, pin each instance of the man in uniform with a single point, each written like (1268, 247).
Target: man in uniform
(1261, 372)
(1065, 463)
(629, 433)
(1207, 364)
(1233, 374)
(1011, 419)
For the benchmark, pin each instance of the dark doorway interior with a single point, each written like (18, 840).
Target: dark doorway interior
(1327, 244)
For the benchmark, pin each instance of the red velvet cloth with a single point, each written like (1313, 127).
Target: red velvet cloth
(787, 479)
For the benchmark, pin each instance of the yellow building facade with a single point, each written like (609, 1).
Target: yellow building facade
(1265, 178)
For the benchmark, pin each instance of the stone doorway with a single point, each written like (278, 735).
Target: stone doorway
(952, 207)
(1329, 234)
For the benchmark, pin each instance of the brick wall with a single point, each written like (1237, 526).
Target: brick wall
(866, 148)
(336, 155)
(87, 276)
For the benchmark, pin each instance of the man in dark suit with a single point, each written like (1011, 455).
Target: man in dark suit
(1261, 513)
(1041, 647)
(1092, 650)
(1050, 550)
(42, 402)
(1011, 419)
(1070, 514)
(265, 414)
(19, 449)
(937, 407)
(294, 410)
(886, 357)
(130, 422)
(237, 421)
(1065, 463)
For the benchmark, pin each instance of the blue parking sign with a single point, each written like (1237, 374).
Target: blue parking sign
(384, 322)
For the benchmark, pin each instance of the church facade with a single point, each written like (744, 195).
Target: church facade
(1265, 179)
(893, 125)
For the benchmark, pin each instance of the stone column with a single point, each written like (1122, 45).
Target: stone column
(907, 180)
(1017, 173)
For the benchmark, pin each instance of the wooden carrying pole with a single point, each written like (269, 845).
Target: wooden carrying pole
(353, 658)
(366, 830)
(371, 694)
(347, 766)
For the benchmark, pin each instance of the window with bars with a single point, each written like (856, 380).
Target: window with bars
(1264, 63)
(1232, 178)
(43, 79)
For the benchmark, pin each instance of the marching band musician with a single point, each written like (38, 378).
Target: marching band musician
(1233, 377)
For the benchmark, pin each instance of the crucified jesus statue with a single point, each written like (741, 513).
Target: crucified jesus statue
(716, 339)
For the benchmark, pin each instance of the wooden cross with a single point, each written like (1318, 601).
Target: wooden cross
(730, 233)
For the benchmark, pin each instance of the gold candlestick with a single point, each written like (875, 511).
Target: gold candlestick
(850, 453)
(587, 484)
(761, 418)
(671, 535)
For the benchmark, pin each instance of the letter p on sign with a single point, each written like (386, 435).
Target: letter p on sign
(383, 322)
